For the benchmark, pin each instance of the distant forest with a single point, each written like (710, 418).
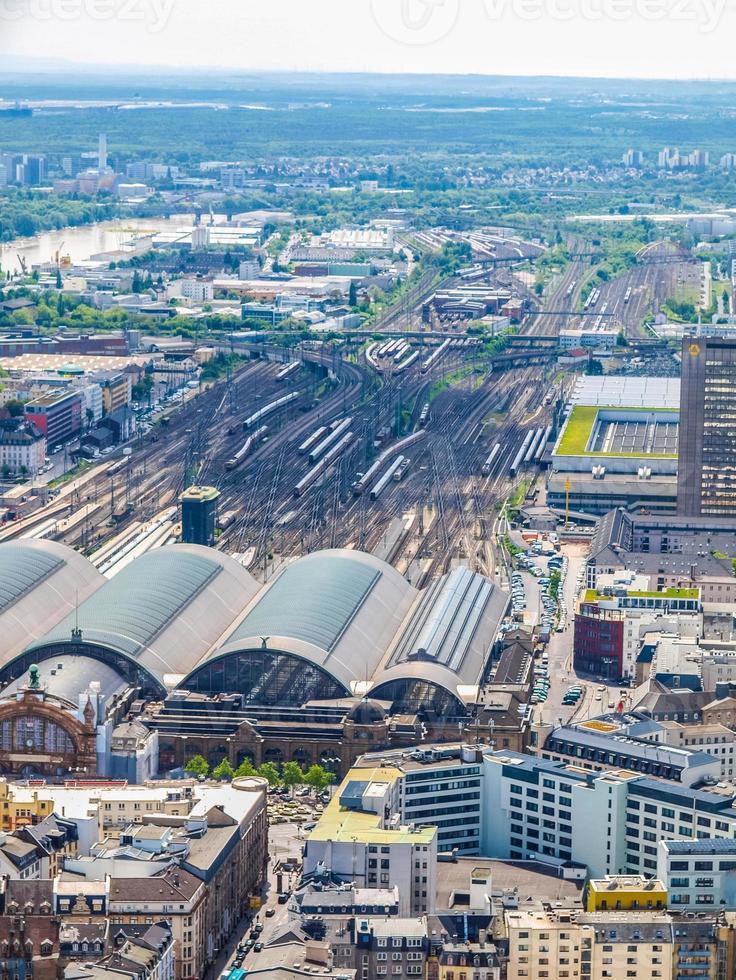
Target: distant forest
(533, 121)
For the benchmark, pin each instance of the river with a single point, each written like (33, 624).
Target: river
(84, 241)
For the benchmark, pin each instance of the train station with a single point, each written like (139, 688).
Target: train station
(331, 628)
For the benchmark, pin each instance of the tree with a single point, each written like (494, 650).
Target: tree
(292, 774)
(353, 294)
(594, 367)
(14, 407)
(197, 766)
(318, 778)
(59, 282)
(269, 772)
(224, 770)
(246, 768)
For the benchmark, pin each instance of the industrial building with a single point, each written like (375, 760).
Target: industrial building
(331, 627)
(617, 448)
(707, 467)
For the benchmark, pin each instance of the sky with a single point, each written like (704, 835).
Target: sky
(613, 38)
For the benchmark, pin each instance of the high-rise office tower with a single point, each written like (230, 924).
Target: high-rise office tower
(102, 153)
(706, 480)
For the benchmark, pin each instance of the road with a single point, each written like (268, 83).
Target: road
(284, 841)
(561, 669)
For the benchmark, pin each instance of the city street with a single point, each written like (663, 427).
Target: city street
(285, 841)
(560, 652)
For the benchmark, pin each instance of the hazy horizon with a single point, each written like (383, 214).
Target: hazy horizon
(627, 39)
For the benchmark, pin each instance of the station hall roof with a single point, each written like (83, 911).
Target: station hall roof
(164, 611)
(181, 607)
(338, 609)
(40, 582)
(448, 637)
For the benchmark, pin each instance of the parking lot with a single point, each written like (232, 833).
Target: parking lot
(532, 587)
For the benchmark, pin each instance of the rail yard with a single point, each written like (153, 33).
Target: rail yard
(362, 451)
(404, 442)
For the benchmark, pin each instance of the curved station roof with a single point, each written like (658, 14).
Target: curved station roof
(40, 583)
(162, 613)
(339, 610)
(330, 624)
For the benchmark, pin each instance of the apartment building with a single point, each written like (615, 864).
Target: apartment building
(19, 809)
(197, 290)
(176, 896)
(597, 745)
(22, 447)
(545, 944)
(564, 944)
(717, 740)
(391, 947)
(116, 390)
(479, 960)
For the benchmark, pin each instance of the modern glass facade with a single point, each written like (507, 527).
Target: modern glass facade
(707, 457)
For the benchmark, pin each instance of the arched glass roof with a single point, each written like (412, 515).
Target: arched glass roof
(338, 609)
(314, 600)
(164, 610)
(40, 582)
(22, 568)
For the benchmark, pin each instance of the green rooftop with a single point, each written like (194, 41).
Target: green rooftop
(593, 595)
(579, 429)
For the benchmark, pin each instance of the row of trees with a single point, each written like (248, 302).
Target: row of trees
(289, 774)
(24, 213)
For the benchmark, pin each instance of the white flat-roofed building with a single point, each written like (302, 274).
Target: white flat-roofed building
(197, 290)
(627, 392)
(698, 874)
